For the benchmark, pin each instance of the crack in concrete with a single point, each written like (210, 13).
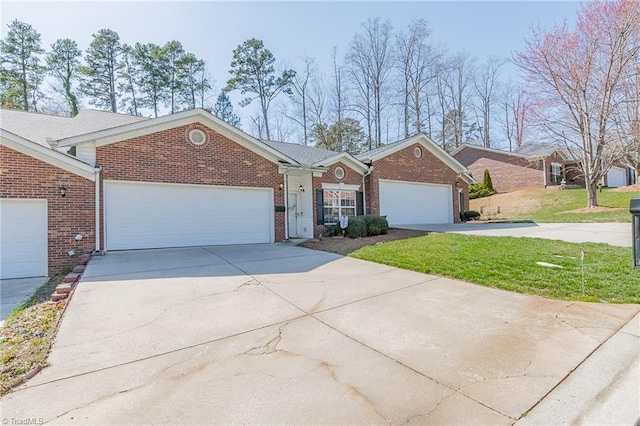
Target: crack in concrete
(251, 283)
(428, 413)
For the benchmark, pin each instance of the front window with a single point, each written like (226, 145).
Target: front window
(556, 172)
(338, 203)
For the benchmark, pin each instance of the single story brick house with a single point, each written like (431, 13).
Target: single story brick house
(103, 181)
(530, 166)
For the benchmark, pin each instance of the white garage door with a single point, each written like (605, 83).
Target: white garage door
(154, 215)
(23, 238)
(409, 203)
(616, 177)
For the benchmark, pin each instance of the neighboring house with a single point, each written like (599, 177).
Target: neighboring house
(619, 175)
(530, 166)
(103, 181)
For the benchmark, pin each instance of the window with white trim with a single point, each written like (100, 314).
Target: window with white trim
(337, 204)
(556, 172)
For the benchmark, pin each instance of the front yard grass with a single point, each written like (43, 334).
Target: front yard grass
(509, 263)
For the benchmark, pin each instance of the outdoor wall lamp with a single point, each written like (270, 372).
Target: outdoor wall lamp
(280, 186)
(301, 188)
(63, 191)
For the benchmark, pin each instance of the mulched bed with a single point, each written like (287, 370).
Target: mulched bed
(344, 245)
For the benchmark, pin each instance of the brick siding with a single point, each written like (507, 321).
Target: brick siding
(403, 165)
(22, 176)
(168, 156)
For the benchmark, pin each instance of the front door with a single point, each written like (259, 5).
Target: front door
(293, 215)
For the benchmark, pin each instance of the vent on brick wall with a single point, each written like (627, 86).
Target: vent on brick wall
(339, 173)
(197, 137)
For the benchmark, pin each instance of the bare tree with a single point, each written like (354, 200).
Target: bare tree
(370, 63)
(576, 77)
(484, 82)
(301, 85)
(515, 105)
(416, 62)
(459, 77)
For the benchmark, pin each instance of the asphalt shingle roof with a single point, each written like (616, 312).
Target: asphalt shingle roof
(301, 153)
(38, 127)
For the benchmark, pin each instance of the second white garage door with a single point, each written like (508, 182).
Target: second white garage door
(410, 203)
(155, 215)
(616, 177)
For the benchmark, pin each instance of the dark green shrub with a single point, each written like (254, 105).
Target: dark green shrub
(332, 230)
(478, 190)
(376, 225)
(357, 227)
(486, 181)
(471, 215)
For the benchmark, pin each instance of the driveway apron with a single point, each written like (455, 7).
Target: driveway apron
(282, 334)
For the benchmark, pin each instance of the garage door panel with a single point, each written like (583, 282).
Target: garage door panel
(616, 177)
(23, 238)
(411, 203)
(140, 215)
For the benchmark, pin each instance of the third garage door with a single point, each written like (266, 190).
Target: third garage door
(154, 215)
(412, 203)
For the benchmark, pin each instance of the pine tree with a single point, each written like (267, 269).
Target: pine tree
(63, 64)
(486, 181)
(100, 74)
(224, 110)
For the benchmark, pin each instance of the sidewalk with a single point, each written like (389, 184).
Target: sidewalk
(603, 390)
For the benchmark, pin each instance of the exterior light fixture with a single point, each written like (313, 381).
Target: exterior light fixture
(63, 191)
(301, 188)
(280, 186)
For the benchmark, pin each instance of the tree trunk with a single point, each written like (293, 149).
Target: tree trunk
(592, 195)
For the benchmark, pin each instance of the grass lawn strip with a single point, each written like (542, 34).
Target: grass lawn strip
(510, 263)
(27, 335)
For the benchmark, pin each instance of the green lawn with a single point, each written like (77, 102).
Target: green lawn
(510, 264)
(554, 203)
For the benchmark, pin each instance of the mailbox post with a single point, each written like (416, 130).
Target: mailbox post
(634, 208)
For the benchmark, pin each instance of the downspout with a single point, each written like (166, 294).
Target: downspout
(364, 191)
(98, 170)
(286, 205)
(544, 172)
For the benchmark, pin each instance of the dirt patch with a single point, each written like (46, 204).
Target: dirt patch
(344, 245)
(630, 188)
(594, 210)
(509, 204)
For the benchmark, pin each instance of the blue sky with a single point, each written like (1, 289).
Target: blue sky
(212, 29)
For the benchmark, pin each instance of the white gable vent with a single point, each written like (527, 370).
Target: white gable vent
(197, 137)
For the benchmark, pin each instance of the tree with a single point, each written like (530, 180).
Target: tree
(63, 63)
(456, 82)
(151, 76)
(576, 76)
(196, 83)
(344, 136)
(417, 63)
(253, 71)
(127, 86)
(515, 105)
(21, 70)
(301, 84)
(100, 75)
(370, 63)
(484, 82)
(173, 53)
(224, 109)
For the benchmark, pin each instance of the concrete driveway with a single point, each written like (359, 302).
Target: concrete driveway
(615, 234)
(282, 334)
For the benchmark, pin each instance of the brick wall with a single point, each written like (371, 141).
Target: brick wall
(22, 176)
(168, 156)
(351, 177)
(507, 171)
(405, 166)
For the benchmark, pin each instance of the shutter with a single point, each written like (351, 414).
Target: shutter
(359, 203)
(319, 207)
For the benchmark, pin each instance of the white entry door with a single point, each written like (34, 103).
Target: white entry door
(23, 238)
(293, 214)
(414, 203)
(154, 215)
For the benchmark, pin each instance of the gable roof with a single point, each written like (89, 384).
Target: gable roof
(540, 150)
(46, 154)
(153, 125)
(482, 148)
(428, 144)
(41, 128)
(318, 157)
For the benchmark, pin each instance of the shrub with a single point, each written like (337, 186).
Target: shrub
(471, 215)
(357, 227)
(477, 190)
(486, 181)
(376, 225)
(332, 230)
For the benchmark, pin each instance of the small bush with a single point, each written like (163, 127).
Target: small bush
(486, 181)
(471, 215)
(332, 230)
(357, 227)
(376, 225)
(478, 190)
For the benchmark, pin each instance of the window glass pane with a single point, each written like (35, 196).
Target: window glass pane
(331, 198)
(331, 215)
(348, 198)
(348, 211)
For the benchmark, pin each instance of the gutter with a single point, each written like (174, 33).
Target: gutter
(285, 195)
(364, 191)
(98, 170)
